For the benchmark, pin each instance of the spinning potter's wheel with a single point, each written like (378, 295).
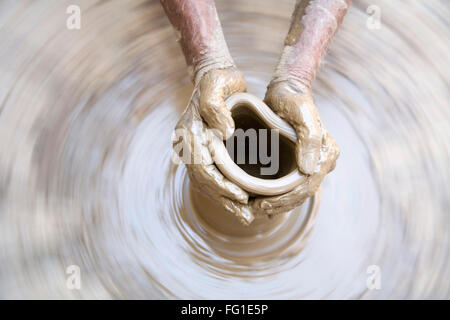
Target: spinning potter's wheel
(86, 176)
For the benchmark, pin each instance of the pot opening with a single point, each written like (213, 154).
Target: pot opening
(258, 150)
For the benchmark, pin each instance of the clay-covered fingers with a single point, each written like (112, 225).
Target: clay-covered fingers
(329, 152)
(216, 86)
(209, 181)
(206, 178)
(285, 202)
(309, 135)
(296, 106)
(191, 143)
(242, 211)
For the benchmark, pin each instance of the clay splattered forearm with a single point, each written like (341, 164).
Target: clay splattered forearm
(200, 35)
(314, 22)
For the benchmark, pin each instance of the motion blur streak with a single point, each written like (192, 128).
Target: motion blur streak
(86, 179)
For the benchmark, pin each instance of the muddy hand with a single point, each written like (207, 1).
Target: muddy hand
(215, 78)
(294, 103)
(193, 137)
(314, 23)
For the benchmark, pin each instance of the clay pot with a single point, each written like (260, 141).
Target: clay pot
(254, 107)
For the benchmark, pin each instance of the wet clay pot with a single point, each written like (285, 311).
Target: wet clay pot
(249, 112)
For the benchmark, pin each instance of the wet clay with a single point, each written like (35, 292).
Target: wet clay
(86, 177)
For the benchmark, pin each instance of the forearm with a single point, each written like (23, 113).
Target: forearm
(200, 35)
(314, 22)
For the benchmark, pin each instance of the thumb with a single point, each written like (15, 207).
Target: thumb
(215, 87)
(214, 111)
(295, 105)
(310, 141)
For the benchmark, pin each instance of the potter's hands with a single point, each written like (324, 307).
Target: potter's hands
(215, 78)
(193, 136)
(316, 149)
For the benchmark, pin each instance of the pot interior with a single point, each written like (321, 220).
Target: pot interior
(257, 149)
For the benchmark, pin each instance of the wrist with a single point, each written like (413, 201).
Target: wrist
(200, 35)
(216, 62)
(290, 70)
(314, 24)
(290, 84)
